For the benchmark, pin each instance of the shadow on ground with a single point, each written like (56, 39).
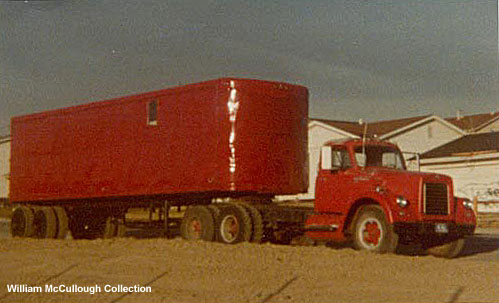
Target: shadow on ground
(479, 244)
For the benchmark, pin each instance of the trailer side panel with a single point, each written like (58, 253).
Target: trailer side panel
(170, 142)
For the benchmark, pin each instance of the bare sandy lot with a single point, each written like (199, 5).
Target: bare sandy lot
(181, 271)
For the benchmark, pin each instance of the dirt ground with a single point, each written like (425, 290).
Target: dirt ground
(181, 271)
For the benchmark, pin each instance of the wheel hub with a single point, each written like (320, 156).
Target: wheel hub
(195, 228)
(230, 228)
(371, 233)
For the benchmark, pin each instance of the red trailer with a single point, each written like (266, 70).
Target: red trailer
(224, 148)
(226, 138)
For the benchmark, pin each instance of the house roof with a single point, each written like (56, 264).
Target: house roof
(353, 128)
(467, 145)
(375, 129)
(473, 122)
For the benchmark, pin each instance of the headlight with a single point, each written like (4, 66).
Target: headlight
(402, 202)
(468, 204)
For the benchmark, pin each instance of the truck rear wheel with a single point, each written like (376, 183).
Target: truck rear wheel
(198, 224)
(257, 223)
(448, 250)
(45, 223)
(234, 225)
(62, 222)
(372, 232)
(215, 210)
(21, 224)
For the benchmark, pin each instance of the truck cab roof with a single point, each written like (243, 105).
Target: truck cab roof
(359, 142)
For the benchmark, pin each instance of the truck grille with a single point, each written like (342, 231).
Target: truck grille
(436, 199)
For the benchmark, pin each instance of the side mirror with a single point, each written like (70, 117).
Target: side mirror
(326, 158)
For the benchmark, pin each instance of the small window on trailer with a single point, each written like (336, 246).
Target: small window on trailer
(152, 112)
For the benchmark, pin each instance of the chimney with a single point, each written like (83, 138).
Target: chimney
(458, 115)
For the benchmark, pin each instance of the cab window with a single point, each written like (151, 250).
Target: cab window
(340, 158)
(379, 156)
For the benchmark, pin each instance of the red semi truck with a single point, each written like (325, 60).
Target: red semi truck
(222, 149)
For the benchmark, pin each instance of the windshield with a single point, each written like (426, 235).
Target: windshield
(379, 156)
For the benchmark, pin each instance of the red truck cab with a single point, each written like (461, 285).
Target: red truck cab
(364, 193)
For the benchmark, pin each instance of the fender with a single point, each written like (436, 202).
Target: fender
(381, 199)
(463, 215)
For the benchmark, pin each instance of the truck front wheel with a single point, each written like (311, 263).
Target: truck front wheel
(448, 250)
(372, 232)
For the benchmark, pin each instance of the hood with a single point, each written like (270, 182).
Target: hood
(402, 182)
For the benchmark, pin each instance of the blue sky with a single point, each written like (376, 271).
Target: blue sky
(374, 60)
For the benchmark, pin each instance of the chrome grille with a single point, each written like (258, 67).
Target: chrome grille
(436, 199)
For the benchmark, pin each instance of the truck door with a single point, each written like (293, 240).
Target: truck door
(333, 180)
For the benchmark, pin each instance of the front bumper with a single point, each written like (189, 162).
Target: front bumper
(414, 229)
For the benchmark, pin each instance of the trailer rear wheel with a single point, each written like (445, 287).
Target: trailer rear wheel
(257, 223)
(198, 224)
(448, 250)
(372, 232)
(21, 224)
(234, 225)
(62, 222)
(45, 223)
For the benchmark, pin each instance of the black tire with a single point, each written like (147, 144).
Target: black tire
(215, 211)
(45, 223)
(62, 222)
(257, 223)
(448, 250)
(21, 224)
(234, 225)
(198, 224)
(372, 232)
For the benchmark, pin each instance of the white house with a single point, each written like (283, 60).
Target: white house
(422, 134)
(473, 163)
(4, 168)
